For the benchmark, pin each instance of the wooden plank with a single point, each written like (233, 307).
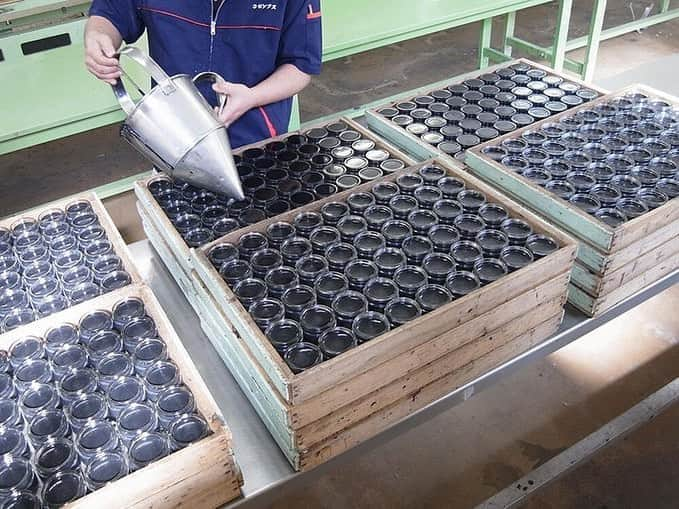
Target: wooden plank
(525, 305)
(581, 300)
(639, 283)
(419, 399)
(600, 286)
(321, 378)
(202, 466)
(640, 248)
(483, 344)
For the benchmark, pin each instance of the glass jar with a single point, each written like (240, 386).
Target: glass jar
(10, 415)
(137, 418)
(310, 267)
(489, 270)
(347, 306)
(172, 403)
(32, 370)
(339, 255)
(328, 286)
(267, 311)
(17, 474)
(431, 297)
(235, 271)
(83, 292)
(250, 291)
(336, 341)
(303, 356)
(26, 348)
(126, 310)
(294, 249)
(279, 280)
(516, 257)
(187, 429)
(13, 442)
(88, 407)
(124, 391)
(45, 425)
(402, 310)
(264, 261)
(104, 343)
(97, 436)
(56, 455)
(147, 352)
(438, 266)
(111, 366)
(315, 320)
(541, 245)
(370, 325)
(284, 334)
(105, 468)
(148, 447)
(76, 383)
(136, 330)
(94, 322)
(379, 291)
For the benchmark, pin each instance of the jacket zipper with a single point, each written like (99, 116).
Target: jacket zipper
(213, 27)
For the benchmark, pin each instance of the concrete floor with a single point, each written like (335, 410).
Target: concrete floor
(504, 432)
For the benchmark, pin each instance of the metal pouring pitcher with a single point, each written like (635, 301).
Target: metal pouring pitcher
(175, 127)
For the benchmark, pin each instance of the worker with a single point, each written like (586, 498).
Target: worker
(266, 52)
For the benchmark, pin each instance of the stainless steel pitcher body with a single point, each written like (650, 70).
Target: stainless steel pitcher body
(175, 127)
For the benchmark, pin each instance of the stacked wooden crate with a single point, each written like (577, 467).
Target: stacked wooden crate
(204, 474)
(342, 402)
(612, 263)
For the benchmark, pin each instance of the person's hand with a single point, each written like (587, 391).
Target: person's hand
(99, 57)
(240, 100)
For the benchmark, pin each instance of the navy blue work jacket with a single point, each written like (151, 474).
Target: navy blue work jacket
(245, 42)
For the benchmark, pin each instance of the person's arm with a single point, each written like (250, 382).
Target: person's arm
(299, 56)
(285, 82)
(102, 40)
(111, 22)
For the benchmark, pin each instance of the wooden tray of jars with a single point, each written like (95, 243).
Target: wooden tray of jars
(155, 215)
(612, 263)
(342, 402)
(203, 474)
(421, 150)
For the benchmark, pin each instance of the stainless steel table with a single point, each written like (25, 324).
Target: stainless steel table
(262, 463)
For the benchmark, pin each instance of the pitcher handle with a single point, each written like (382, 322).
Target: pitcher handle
(151, 67)
(212, 77)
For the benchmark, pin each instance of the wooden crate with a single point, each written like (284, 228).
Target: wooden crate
(321, 412)
(203, 474)
(613, 263)
(148, 205)
(412, 144)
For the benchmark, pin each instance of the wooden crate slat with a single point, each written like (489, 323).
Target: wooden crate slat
(483, 344)
(422, 397)
(600, 286)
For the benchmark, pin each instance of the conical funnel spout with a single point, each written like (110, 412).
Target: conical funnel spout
(210, 165)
